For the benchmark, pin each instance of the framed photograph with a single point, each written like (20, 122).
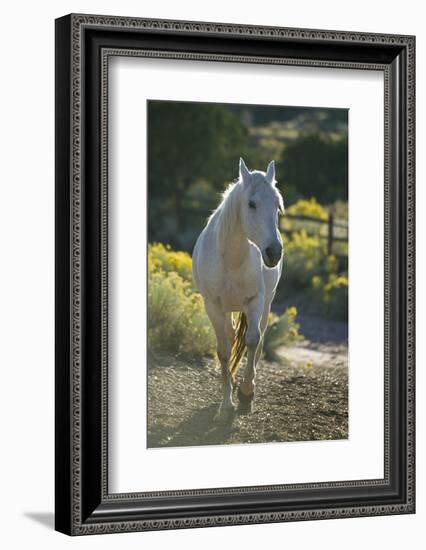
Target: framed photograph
(234, 274)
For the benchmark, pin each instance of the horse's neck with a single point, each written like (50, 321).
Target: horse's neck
(234, 246)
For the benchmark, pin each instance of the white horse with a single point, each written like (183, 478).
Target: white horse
(237, 263)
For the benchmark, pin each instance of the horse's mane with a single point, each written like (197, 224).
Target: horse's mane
(226, 214)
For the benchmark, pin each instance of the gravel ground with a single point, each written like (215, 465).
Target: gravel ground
(302, 397)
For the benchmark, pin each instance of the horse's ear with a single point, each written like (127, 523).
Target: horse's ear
(244, 171)
(270, 172)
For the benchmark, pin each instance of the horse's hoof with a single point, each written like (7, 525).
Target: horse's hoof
(245, 405)
(225, 415)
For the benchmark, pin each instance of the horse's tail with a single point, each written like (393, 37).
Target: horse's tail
(239, 345)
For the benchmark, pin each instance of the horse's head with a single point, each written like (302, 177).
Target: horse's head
(261, 206)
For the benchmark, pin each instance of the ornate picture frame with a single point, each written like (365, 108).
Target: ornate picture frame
(84, 44)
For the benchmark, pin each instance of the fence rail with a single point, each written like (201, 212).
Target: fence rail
(330, 222)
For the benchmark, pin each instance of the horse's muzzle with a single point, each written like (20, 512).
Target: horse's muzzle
(272, 254)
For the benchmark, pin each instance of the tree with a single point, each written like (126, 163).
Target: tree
(316, 165)
(186, 142)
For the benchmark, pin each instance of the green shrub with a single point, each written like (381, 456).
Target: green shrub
(304, 257)
(282, 330)
(177, 321)
(333, 295)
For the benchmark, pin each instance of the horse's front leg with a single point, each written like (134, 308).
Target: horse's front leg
(222, 324)
(253, 339)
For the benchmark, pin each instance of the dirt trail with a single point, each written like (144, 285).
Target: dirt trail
(301, 397)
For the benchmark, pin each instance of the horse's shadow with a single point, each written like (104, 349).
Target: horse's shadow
(201, 428)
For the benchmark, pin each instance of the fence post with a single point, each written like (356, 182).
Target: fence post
(330, 235)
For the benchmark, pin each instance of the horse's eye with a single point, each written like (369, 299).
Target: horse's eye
(252, 205)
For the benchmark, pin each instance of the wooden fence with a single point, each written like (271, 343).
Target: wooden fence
(336, 231)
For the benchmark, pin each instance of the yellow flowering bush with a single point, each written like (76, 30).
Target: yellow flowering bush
(162, 257)
(308, 207)
(177, 321)
(336, 293)
(333, 293)
(305, 256)
(282, 330)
